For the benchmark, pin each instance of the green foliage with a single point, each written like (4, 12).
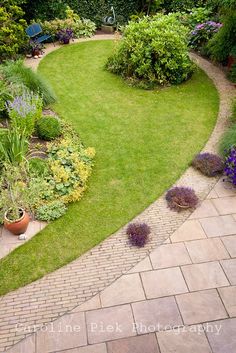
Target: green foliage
(182, 5)
(13, 147)
(153, 51)
(16, 72)
(221, 44)
(80, 27)
(48, 128)
(228, 140)
(232, 73)
(12, 33)
(38, 167)
(198, 15)
(50, 211)
(45, 9)
(5, 95)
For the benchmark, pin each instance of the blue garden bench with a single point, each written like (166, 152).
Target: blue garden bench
(33, 32)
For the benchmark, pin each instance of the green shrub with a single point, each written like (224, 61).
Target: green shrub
(38, 167)
(44, 9)
(232, 73)
(13, 147)
(228, 140)
(50, 211)
(5, 95)
(48, 128)
(17, 73)
(12, 33)
(153, 51)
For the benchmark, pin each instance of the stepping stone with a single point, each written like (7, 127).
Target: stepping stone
(170, 255)
(206, 209)
(200, 307)
(161, 283)
(144, 265)
(225, 341)
(188, 231)
(230, 244)
(219, 226)
(155, 315)
(229, 267)
(126, 289)
(228, 296)
(91, 304)
(207, 250)
(204, 276)
(96, 348)
(183, 340)
(110, 323)
(224, 189)
(225, 205)
(67, 332)
(139, 344)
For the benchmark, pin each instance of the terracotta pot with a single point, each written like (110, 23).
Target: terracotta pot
(231, 61)
(19, 226)
(35, 52)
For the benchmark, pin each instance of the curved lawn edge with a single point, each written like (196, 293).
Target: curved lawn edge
(21, 250)
(201, 183)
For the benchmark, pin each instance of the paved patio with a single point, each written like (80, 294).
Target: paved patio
(180, 298)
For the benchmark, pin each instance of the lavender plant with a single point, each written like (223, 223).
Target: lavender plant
(138, 233)
(230, 166)
(24, 110)
(209, 164)
(179, 198)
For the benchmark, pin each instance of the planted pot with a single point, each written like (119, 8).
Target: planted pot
(66, 40)
(231, 61)
(36, 51)
(18, 226)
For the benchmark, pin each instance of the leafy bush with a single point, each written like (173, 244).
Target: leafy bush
(48, 128)
(38, 167)
(222, 43)
(24, 111)
(14, 147)
(181, 5)
(44, 9)
(138, 233)
(209, 164)
(179, 198)
(17, 73)
(5, 95)
(228, 140)
(230, 166)
(79, 27)
(50, 211)
(232, 73)
(153, 51)
(12, 34)
(70, 165)
(202, 33)
(198, 15)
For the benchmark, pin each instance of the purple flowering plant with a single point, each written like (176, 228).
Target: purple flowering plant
(64, 35)
(208, 164)
(24, 110)
(230, 166)
(138, 234)
(180, 197)
(203, 32)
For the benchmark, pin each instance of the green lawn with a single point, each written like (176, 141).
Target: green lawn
(144, 142)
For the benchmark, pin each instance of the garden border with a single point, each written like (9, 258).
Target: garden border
(61, 291)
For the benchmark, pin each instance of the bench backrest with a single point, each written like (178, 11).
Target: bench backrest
(33, 30)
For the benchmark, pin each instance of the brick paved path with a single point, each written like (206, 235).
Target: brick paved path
(59, 292)
(180, 299)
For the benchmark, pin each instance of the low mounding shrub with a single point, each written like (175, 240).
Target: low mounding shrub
(48, 128)
(50, 211)
(138, 233)
(202, 33)
(179, 198)
(153, 51)
(16, 72)
(209, 164)
(38, 167)
(230, 166)
(228, 141)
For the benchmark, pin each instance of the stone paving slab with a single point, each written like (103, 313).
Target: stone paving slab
(60, 292)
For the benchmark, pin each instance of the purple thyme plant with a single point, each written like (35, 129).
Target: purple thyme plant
(138, 233)
(209, 164)
(179, 198)
(230, 166)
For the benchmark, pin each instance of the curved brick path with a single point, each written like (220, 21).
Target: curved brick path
(59, 292)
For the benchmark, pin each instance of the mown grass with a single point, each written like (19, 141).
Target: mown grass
(144, 142)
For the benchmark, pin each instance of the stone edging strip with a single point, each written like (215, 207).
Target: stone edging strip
(61, 291)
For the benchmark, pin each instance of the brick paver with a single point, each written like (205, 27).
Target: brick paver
(90, 276)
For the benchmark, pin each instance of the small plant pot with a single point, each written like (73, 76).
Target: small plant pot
(36, 52)
(231, 61)
(66, 41)
(18, 226)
